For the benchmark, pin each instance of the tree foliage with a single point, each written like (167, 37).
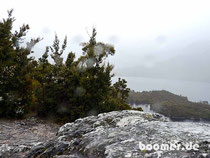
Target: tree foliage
(65, 90)
(15, 69)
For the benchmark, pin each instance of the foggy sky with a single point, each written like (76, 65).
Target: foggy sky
(152, 38)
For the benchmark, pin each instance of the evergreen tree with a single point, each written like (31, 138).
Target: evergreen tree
(96, 77)
(121, 90)
(64, 91)
(15, 65)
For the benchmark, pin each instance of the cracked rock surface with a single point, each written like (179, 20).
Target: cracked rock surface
(117, 135)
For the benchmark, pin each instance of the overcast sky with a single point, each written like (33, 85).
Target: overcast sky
(146, 33)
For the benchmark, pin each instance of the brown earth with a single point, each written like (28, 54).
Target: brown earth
(21, 135)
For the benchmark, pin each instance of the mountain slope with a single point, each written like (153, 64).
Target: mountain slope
(174, 106)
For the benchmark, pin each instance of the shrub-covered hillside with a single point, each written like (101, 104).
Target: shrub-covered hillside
(175, 106)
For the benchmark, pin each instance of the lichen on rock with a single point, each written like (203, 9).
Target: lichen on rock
(117, 134)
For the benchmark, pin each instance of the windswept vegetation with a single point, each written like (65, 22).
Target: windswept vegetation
(174, 106)
(65, 90)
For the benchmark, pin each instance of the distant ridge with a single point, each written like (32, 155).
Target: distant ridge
(176, 107)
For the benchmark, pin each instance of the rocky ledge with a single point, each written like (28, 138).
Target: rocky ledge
(118, 135)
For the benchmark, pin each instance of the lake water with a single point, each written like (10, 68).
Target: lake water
(195, 91)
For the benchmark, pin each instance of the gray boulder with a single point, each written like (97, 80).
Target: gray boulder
(124, 134)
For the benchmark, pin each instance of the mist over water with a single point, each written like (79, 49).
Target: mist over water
(145, 107)
(195, 91)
